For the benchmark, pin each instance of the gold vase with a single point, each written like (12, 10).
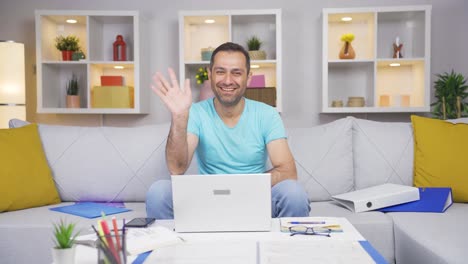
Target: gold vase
(347, 52)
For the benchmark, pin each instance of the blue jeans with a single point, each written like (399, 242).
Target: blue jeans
(288, 199)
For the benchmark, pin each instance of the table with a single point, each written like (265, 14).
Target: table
(258, 248)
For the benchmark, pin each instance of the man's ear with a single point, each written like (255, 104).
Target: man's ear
(249, 78)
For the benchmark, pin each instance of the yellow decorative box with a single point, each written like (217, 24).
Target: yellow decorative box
(112, 97)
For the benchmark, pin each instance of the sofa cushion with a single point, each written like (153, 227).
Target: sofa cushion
(432, 237)
(105, 163)
(440, 155)
(25, 176)
(324, 158)
(383, 153)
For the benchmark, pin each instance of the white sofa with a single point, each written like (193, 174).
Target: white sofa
(119, 164)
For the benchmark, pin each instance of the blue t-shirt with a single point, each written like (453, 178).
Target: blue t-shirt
(241, 149)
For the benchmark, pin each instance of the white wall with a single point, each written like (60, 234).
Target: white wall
(301, 49)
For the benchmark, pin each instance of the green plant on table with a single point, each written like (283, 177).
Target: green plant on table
(69, 42)
(72, 86)
(254, 43)
(450, 94)
(202, 75)
(64, 234)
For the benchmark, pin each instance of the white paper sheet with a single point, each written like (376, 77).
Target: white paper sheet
(323, 251)
(234, 252)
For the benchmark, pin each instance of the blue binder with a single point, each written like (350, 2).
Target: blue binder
(431, 200)
(89, 209)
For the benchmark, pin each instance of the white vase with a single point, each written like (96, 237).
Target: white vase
(63, 256)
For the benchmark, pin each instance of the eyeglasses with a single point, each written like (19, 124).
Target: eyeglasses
(313, 231)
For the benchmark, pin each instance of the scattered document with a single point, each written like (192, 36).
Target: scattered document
(215, 252)
(89, 209)
(263, 252)
(311, 222)
(313, 251)
(377, 197)
(90, 240)
(140, 240)
(341, 228)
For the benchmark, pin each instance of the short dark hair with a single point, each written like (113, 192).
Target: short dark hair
(234, 47)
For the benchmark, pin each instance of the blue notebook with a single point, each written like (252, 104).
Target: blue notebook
(89, 209)
(431, 200)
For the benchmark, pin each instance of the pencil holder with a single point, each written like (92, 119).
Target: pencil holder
(112, 248)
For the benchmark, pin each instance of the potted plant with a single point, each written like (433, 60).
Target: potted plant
(73, 99)
(202, 75)
(347, 51)
(450, 93)
(64, 239)
(202, 78)
(67, 45)
(254, 44)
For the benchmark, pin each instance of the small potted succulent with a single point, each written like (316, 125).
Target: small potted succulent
(254, 44)
(64, 239)
(67, 45)
(73, 99)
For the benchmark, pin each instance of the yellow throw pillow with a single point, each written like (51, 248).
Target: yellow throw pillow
(440, 155)
(25, 177)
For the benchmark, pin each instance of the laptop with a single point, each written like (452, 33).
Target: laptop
(222, 202)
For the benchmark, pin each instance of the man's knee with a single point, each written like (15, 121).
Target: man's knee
(159, 190)
(290, 199)
(159, 200)
(291, 190)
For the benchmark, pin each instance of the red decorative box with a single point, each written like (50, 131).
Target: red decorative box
(111, 80)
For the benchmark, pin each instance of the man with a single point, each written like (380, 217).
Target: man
(231, 134)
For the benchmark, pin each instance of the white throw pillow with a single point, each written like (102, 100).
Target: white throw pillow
(383, 153)
(324, 158)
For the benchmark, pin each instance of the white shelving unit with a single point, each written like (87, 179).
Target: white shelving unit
(97, 31)
(234, 26)
(385, 88)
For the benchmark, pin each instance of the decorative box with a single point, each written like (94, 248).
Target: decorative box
(107, 80)
(112, 97)
(257, 81)
(266, 95)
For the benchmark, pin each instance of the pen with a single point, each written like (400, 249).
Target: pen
(102, 245)
(308, 223)
(124, 252)
(100, 231)
(110, 243)
(116, 232)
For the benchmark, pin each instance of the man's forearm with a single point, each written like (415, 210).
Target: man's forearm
(177, 146)
(283, 172)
